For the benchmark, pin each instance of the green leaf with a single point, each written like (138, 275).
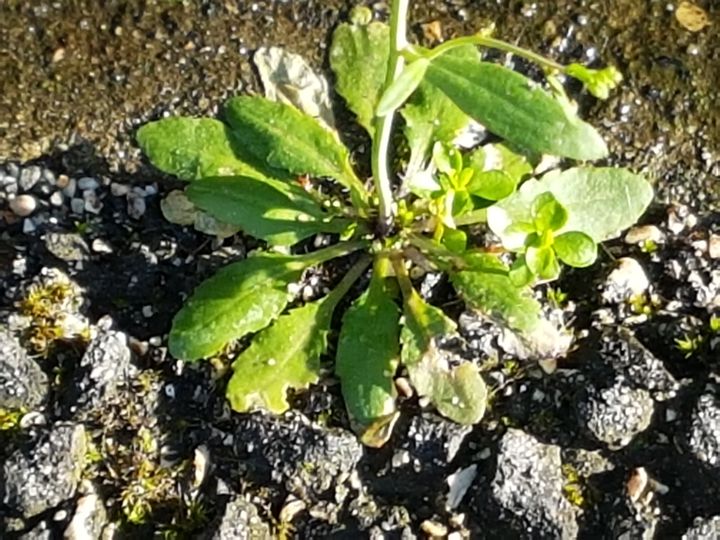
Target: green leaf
(285, 355)
(542, 262)
(548, 214)
(494, 294)
(367, 358)
(600, 202)
(458, 393)
(455, 240)
(194, 148)
(277, 212)
(519, 273)
(575, 249)
(242, 297)
(361, 43)
(515, 108)
(491, 185)
(289, 139)
(431, 116)
(401, 88)
(498, 157)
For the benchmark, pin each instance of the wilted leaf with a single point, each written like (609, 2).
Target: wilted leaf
(277, 212)
(514, 107)
(288, 78)
(361, 43)
(367, 357)
(431, 116)
(193, 148)
(242, 297)
(600, 202)
(285, 355)
(289, 139)
(458, 393)
(178, 209)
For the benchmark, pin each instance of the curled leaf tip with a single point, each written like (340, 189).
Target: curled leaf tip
(599, 82)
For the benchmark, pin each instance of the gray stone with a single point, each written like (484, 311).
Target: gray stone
(528, 485)
(433, 441)
(308, 459)
(703, 437)
(22, 382)
(29, 177)
(103, 370)
(87, 182)
(239, 521)
(704, 529)
(89, 519)
(624, 353)
(45, 474)
(67, 246)
(614, 415)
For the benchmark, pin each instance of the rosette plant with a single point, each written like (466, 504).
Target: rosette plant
(283, 177)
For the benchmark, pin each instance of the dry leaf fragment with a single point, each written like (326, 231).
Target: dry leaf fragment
(692, 17)
(432, 31)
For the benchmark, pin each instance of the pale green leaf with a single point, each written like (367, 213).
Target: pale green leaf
(515, 108)
(458, 393)
(400, 89)
(575, 249)
(366, 44)
(548, 214)
(600, 202)
(194, 148)
(367, 357)
(241, 298)
(280, 213)
(498, 157)
(289, 139)
(283, 356)
(431, 116)
(491, 185)
(542, 262)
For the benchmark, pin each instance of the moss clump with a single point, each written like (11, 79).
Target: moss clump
(573, 489)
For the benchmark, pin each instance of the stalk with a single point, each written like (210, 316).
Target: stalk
(383, 125)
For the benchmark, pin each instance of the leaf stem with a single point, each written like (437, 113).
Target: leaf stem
(337, 250)
(485, 41)
(383, 124)
(342, 288)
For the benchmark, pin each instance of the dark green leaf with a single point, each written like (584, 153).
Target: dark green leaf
(242, 297)
(600, 202)
(277, 212)
(367, 357)
(542, 262)
(289, 139)
(285, 355)
(514, 107)
(362, 43)
(194, 148)
(575, 249)
(548, 214)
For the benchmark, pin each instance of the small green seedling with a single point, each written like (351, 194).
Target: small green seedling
(264, 168)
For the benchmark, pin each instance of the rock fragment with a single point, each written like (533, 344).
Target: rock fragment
(22, 383)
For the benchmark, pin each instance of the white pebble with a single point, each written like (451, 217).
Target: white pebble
(101, 246)
(23, 205)
(56, 199)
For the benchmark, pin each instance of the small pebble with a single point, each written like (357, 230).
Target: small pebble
(147, 311)
(644, 233)
(86, 183)
(62, 181)
(69, 189)
(92, 202)
(28, 226)
(29, 177)
(77, 206)
(119, 190)
(23, 205)
(135, 206)
(101, 246)
(714, 246)
(56, 199)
